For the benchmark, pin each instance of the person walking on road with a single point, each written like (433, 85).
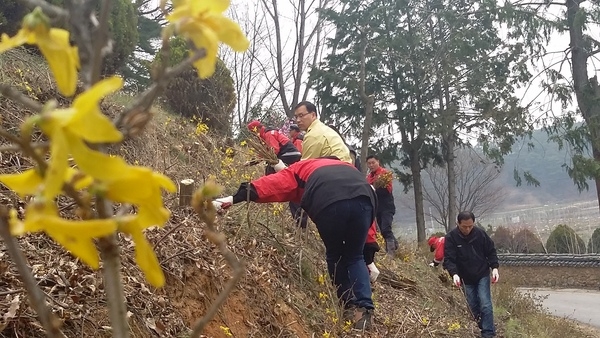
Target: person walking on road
(469, 254)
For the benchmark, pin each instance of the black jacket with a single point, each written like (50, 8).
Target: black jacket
(313, 183)
(471, 257)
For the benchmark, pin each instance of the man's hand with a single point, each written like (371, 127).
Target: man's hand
(222, 204)
(373, 272)
(495, 276)
(433, 264)
(456, 280)
(279, 166)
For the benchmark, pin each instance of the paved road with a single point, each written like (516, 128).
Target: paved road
(580, 305)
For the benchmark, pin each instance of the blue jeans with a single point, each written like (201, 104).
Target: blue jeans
(343, 227)
(480, 302)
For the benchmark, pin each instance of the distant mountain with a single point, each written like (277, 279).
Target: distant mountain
(545, 162)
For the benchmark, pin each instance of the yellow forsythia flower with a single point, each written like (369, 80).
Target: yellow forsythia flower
(326, 334)
(70, 130)
(201, 128)
(144, 254)
(454, 327)
(226, 331)
(75, 236)
(203, 23)
(54, 44)
(321, 279)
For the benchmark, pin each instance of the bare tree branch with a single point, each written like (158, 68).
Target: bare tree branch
(50, 323)
(476, 187)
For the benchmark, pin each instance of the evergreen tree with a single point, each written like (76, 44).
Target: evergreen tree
(563, 239)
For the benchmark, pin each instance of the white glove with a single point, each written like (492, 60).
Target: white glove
(432, 264)
(456, 280)
(495, 275)
(279, 166)
(223, 203)
(373, 272)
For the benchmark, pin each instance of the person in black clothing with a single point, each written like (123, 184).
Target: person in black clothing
(469, 253)
(339, 200)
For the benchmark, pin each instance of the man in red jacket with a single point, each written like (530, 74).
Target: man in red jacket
(296, 136)
(341, 203)
(386, 207)
(436, 245)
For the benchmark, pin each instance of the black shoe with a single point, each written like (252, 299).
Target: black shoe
(364, 322)
(348, 313)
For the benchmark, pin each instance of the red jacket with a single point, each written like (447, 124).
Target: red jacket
(437, 244)
(372, 235)
(297, 143)
(276, 140)
(372, 176)
(385, 198)
(313, 183)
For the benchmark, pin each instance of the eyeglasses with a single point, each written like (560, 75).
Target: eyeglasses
(299, 116)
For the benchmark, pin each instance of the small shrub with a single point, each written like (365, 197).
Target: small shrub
(210, 101)
(594, 242)
(563, 239)
(525, 241)
(503, 239)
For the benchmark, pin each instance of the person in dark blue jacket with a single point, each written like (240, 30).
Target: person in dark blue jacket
(469, 254)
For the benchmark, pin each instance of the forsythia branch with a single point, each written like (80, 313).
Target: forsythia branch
(52, 11)
(100, 43)
(202, 204)
(38, 299)
(15, 95)
(113, 286)
(83, 21)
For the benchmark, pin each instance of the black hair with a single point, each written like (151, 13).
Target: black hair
(295, 127)
(372, 156)
(310, 107)
(465, 216)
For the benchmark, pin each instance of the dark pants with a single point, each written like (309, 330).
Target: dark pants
(384, 221)
(480, 302)
(343, 227)
(300, 217)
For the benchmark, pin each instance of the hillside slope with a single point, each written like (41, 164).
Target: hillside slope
(284, 291)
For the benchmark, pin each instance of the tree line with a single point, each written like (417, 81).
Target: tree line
(563, 239)
(413, 81)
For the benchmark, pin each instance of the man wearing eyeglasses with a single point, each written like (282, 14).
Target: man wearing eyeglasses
(319, 140)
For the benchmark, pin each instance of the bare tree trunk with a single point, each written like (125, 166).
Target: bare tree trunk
(415, 168)
(369, 102)
(586, 90)
(452, 212)
(291, 65)
(274, 14)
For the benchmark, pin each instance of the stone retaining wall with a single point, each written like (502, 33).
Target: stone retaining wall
(551, 270)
